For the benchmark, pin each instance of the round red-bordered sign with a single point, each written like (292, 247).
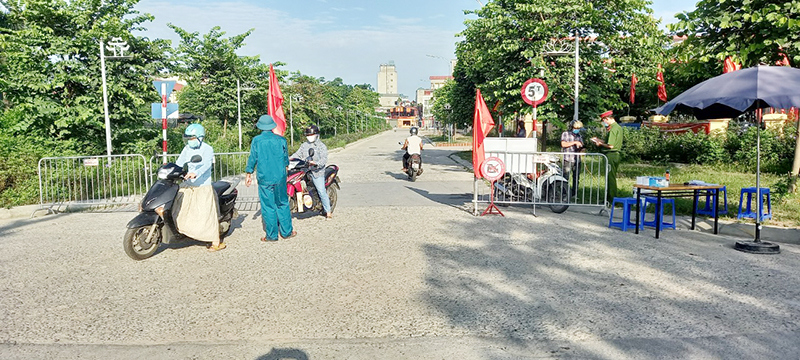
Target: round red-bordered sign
(493, 168)
(534, 92)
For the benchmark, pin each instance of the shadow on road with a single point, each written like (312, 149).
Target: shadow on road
(284, 354)
(457, 201)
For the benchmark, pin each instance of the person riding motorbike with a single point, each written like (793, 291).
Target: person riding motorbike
(196, 210)
(318, 163)
(412, 145)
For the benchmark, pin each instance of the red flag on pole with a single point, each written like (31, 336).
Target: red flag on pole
(482, 124)
(729, 65)
(275, 103)
(634, 81)
(662, 88)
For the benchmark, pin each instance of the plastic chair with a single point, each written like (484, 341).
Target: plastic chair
(749, 213)
(711, 202)
(652, 223)
(627, 207)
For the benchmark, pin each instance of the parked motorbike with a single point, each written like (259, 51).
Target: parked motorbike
(548, 185)
(303, 194)
(414, 166)
(154, 224)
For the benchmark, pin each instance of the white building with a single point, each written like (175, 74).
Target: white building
(387, 85)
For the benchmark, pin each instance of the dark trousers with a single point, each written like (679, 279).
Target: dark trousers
(613, 166)
(275, 213)
(574, 168)
(405, 161)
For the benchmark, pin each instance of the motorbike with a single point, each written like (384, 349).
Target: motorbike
(547, 185)
(414, 166)
(155, 225)
(302, 193)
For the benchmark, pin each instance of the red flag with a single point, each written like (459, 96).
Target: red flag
(634, 81)
(729, 65)
(662, 88)
(481, 126)
(784, 61)
(275, 103)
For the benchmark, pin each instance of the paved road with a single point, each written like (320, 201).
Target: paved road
(403, 271)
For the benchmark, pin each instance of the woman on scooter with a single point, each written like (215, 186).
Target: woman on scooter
(318, 163)
(196, 210)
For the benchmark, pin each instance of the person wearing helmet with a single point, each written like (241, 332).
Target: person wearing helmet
(318, 163)
(197, 211)
(572, 142)
(412, 145)
(269, 155)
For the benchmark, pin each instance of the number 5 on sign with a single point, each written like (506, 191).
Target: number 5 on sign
(534, 92)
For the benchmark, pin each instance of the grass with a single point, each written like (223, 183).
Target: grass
(785, 206)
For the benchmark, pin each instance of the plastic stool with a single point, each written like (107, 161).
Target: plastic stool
(652, 200)
(748, 213)
(711, 205)
(627, 207)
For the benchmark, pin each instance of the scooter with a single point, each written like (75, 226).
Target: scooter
(547, 185)
(154, 224)
(414, 166)
(301, 189)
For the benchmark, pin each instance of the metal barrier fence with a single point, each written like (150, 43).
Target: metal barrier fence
(92, 181)
(539, 178)
(225, 166)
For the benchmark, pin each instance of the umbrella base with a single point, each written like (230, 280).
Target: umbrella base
(760, 247)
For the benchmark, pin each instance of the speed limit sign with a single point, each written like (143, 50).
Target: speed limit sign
(534, 91)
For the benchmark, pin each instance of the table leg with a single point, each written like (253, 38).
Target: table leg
(658, 214)
(638, 201)
(694, 207)
(716, 210)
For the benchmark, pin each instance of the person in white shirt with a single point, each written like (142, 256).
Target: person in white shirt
(413, 145)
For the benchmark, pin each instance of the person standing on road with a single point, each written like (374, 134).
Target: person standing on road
(572, 142)
(412, 145)
(196, 208)
(613, 146)
(318, 163)
(268, 154)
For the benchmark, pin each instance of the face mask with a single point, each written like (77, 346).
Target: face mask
(311, 138)
(194, 143)
(576, 131)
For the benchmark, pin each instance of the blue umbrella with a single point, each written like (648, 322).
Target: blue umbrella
(732, 94)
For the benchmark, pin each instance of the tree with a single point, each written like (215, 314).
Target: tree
(50, 70)
(211, 68)
(505, 46)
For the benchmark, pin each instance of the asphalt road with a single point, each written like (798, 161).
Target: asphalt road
(403, 271)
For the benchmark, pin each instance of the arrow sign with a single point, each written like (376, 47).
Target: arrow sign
(172, 110)
(170, 86)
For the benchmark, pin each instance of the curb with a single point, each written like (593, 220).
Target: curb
(440, 144)
(19, 212)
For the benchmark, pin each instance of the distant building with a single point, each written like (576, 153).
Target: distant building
(387, 85)
(425, 97)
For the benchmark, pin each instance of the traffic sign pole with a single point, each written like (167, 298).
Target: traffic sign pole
(164, 119)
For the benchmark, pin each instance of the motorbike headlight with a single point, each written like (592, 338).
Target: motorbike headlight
(163, 172)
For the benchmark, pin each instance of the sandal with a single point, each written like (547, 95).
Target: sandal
(293, 234)
(219, 247)
(264, 239)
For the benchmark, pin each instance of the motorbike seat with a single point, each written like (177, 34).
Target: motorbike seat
(220, 187)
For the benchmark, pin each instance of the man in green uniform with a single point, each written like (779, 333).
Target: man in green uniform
(268, 155)
(612, 145)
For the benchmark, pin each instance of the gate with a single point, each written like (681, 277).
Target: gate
(539, 178)
(92, 181)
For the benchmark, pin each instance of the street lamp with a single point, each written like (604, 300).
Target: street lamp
(558, 48)
(239, 109)
(296, 97)
(449, 135)
(119, 47)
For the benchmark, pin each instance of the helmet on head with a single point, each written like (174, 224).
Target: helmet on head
(311, 130)
(414, 130)
(194, 130)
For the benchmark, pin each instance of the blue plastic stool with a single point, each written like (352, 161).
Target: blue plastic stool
(749, 213)
(711, 204)
(652, 223)
(627, 207)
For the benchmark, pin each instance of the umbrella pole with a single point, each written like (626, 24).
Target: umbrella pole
(758, 179)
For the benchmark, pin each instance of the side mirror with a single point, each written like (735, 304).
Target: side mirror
(196, 159)
(310, 152)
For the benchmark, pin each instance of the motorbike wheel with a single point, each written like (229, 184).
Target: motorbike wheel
(558, 193)
(332, 195)
(412, 175)
(293, 204)
(224, 229)
(134, 242)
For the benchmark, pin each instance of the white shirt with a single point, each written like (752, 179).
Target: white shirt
(414, 143)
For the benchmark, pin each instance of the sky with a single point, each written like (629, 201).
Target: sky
(349, 39)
